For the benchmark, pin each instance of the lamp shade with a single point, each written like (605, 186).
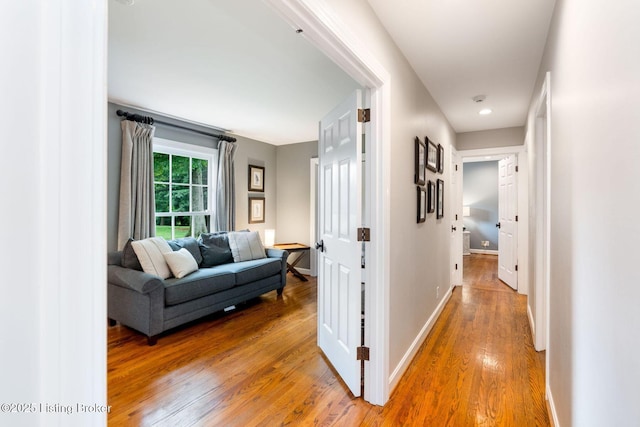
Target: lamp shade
(269, 237)
(466, 211)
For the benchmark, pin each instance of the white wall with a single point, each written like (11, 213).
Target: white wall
(505, 137)
(293, 179)
(419, 252)
(252, 152)
(594, 369)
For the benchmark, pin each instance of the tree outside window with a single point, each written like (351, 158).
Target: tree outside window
(182, 181)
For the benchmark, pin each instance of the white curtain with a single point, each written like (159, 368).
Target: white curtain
(225, 215)
(137, 197)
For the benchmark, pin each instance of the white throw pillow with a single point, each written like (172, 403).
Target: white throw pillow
(150, 254)
(246, 246)
(181, 262)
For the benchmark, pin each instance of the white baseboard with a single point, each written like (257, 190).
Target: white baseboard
(552, 407)
(484, 251)
(532, 324)
(415, 346)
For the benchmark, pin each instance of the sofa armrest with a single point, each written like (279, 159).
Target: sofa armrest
(277, 253)
(282, 255)
(135, 280)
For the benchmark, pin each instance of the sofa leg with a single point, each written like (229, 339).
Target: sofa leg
(152, 340)
(280, 290)
(112, 322)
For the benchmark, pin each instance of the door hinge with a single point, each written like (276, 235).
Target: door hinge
(456, 217)
(456, 266)
(362, 353)
(516, 168)
(516, 267)
(364, 235)
(516, 218)
(456, 168)
(364, 115)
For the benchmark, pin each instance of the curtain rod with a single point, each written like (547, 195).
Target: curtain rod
(150, 121)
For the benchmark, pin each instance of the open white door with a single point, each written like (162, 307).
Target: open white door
(508, 227)
(456, 219)
(339, 268)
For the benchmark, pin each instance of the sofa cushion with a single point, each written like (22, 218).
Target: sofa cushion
(181, 262)
(215, 249)
(129, 257)
(250, 271)
(246, 246)
(205, 281)
(149, 252)
(190, 244)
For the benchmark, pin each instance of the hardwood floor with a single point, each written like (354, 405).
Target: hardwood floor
(259, 365)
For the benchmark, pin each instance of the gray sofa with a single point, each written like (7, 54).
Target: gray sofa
(152, 305)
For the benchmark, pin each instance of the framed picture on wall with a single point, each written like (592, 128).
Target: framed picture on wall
(432, 155)
(440, 199)
(256, 178)
(422, 204)
(256, 210)
(420, 157)
(431, 197)
(440, 159)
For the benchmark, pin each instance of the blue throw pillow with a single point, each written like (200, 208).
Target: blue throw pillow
(215, 249)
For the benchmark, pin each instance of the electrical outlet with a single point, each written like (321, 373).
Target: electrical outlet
(437, 291)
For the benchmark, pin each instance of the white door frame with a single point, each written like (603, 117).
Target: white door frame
(313, 218)
(348, 52)
(523, 203)
(58, 69)
(542, 150)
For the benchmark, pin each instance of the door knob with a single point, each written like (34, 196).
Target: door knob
(498, 225)
(453, 228)
(320, 245)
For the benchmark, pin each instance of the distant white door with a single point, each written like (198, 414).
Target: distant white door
(339, 267)
(456, 219)
(507, 211)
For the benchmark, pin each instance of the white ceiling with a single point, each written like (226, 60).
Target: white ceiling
(236, 65)
(232, 64)
(464, 48)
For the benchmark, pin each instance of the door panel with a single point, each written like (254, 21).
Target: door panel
(339, 298)
(507, 210)
(457, 224)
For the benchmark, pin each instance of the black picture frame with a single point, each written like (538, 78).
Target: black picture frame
(256, 210)
(420, 157)
(422, 205)
(440, 199)
(256, 178)
(432, 155)
(431, 197)
(440, 159)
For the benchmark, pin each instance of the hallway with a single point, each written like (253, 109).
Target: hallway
(478, 366)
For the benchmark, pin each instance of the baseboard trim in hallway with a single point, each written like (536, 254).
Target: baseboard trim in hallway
(397, 373)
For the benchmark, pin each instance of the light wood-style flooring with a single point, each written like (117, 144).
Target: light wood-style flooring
(259, 366)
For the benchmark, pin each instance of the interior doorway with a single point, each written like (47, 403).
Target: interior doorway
(472, 208)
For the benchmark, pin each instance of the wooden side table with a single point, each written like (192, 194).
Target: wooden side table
(291, 248)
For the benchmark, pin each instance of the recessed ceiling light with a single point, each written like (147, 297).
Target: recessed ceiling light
(479, 98)
(485, 111)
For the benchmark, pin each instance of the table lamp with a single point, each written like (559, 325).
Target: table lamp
(269, 237)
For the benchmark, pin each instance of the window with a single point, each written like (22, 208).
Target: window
(184, 182)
